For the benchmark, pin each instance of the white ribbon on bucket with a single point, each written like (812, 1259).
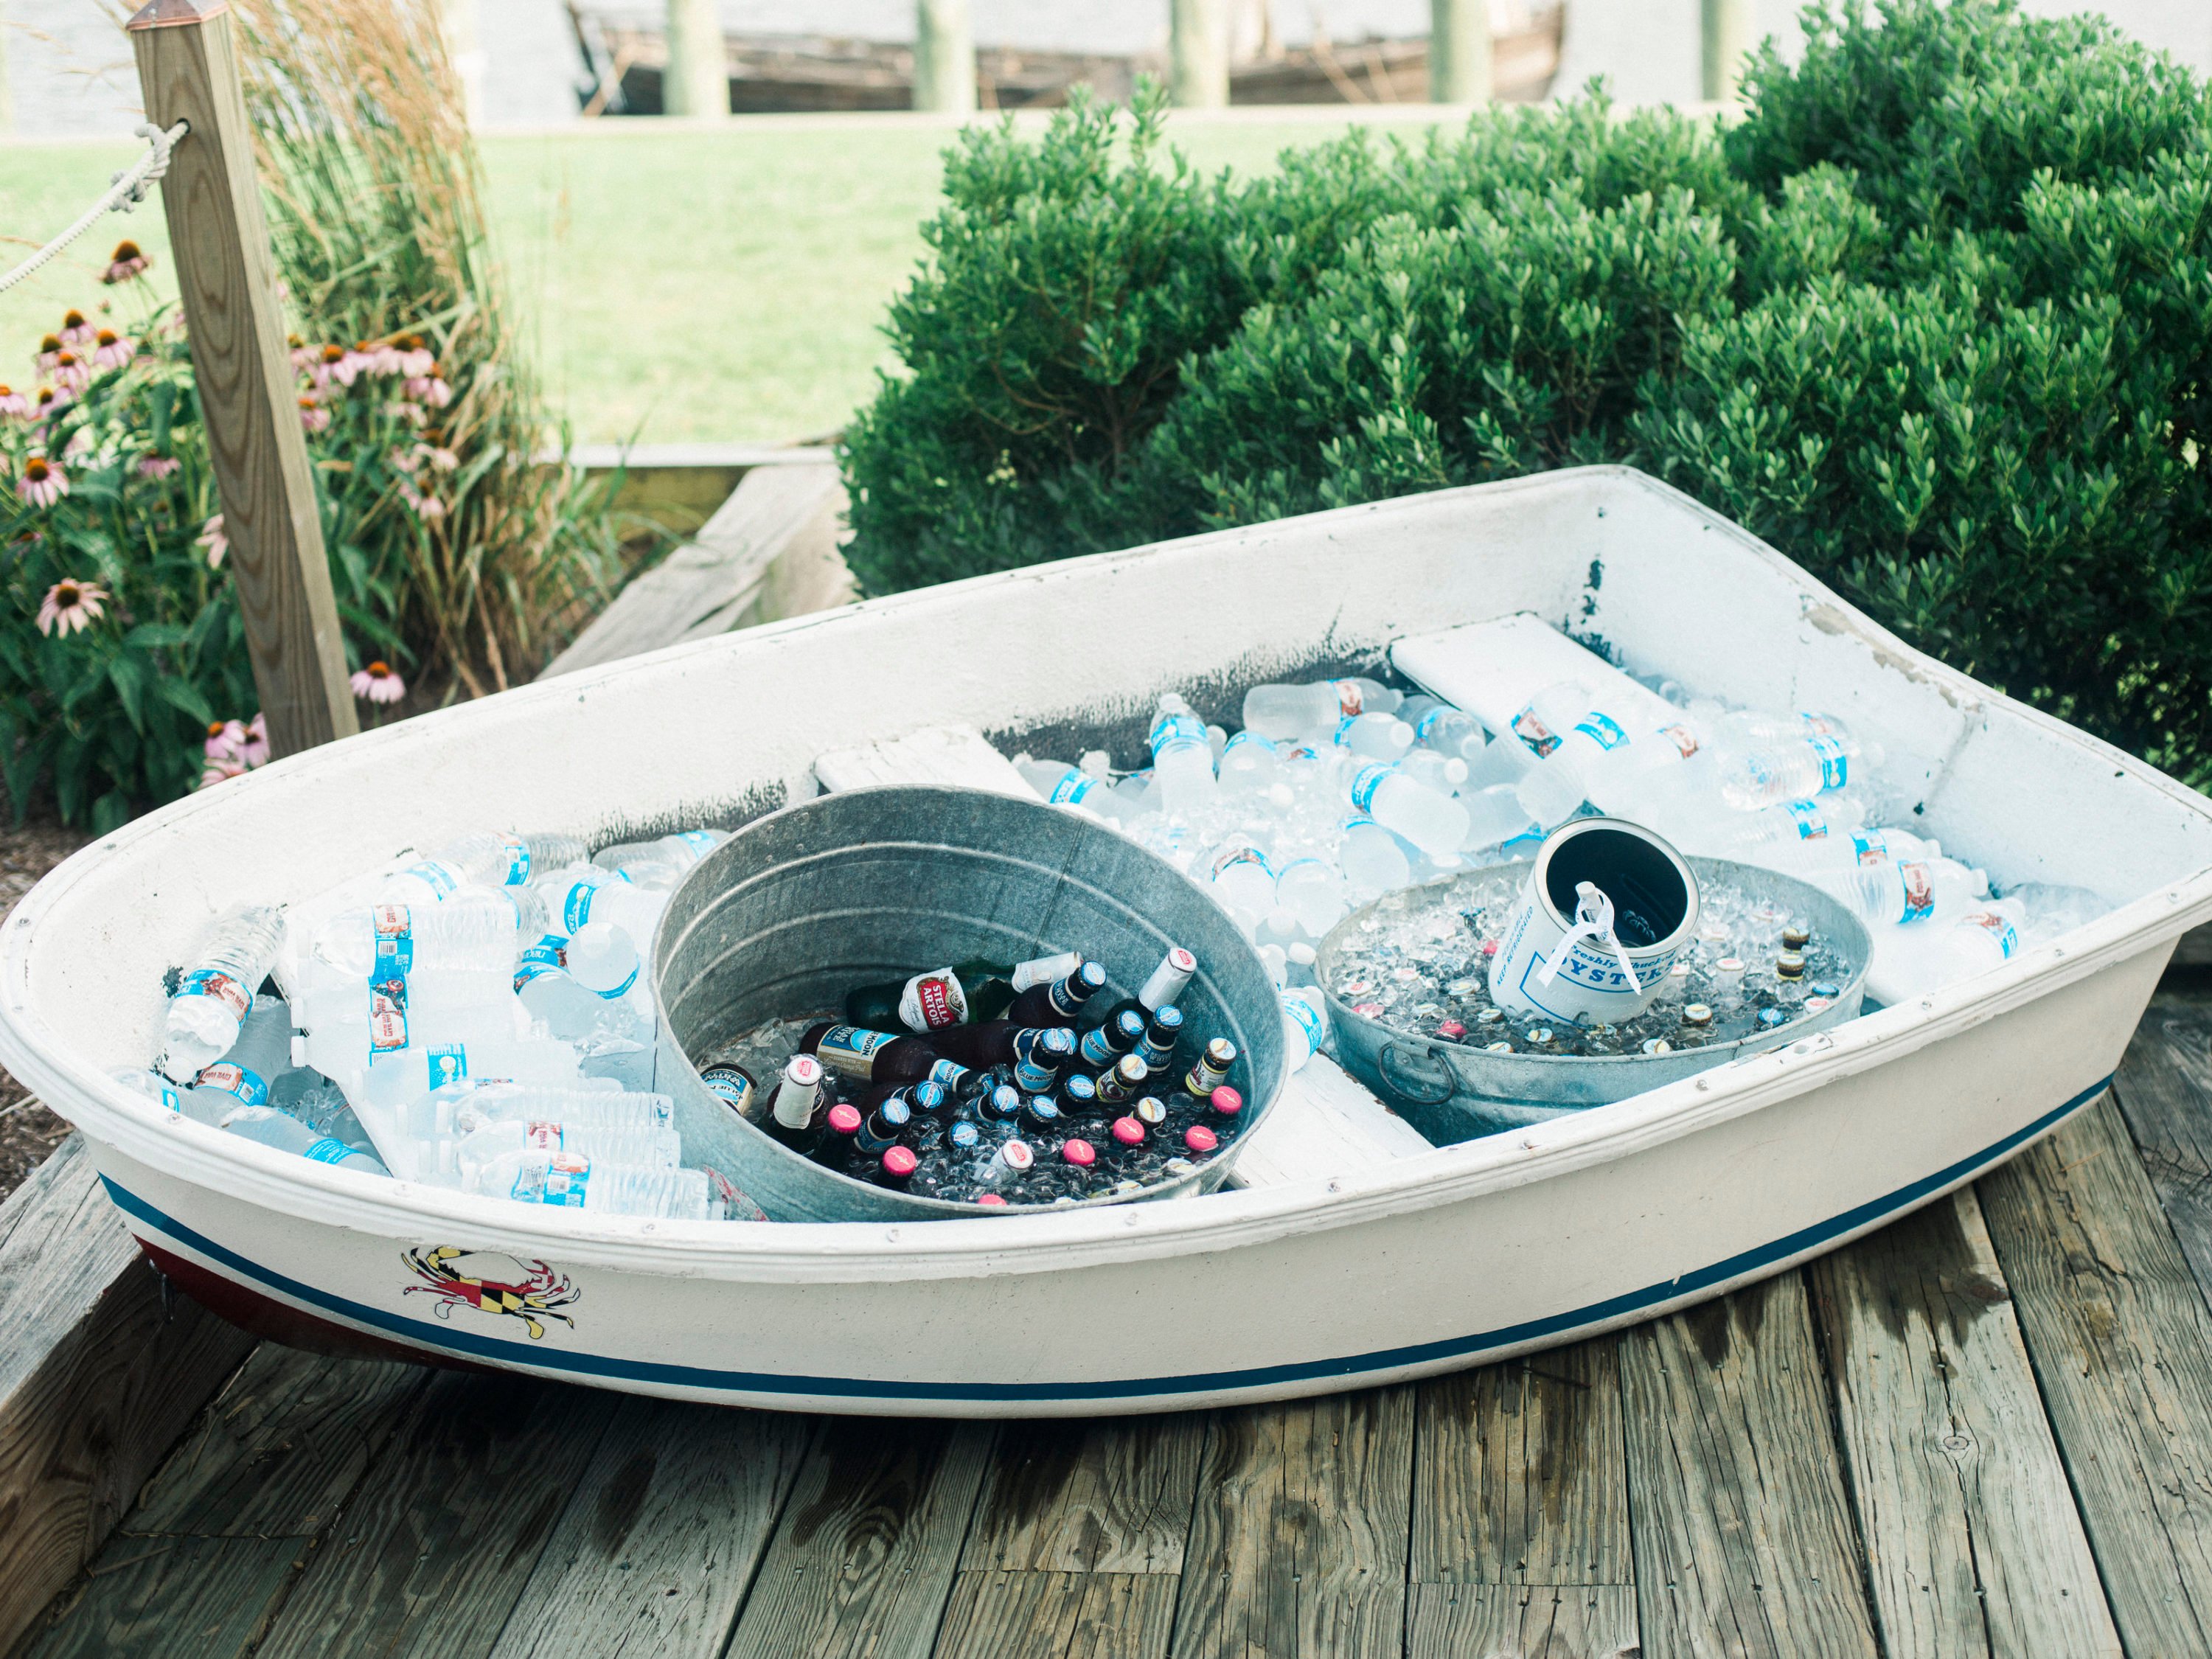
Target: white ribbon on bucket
(1594, 923)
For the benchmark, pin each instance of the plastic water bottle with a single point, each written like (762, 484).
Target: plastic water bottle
(1796, 768)
(473, 930)
(217, 992)
(1372, 858)
(1060, 784)
(1241, 876)
(461, 1109)
(1305, 1025)
(157, 1088)
(1376, 736)
(496, 859)
(1312, 890)
(1182, 760)
(287, 1134)
(1444, 774)
(662, 860)
(1446, 730)
(1434, 823)
(645, 1149)
(247, 1075)
(1495, 816)
(575, 899)
(1899, 895)
(1979, 938)
(1291, 711)
(572, 1180)
(1249, 763)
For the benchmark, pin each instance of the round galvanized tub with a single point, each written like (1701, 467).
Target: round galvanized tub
(798, 908)
(1455, 1091)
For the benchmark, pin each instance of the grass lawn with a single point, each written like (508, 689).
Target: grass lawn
(676, 284)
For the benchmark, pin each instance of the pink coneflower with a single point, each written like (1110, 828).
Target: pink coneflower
(173, 325)
(429, 388)
(225, 739)
(110, 350)
(413, 414)
(158, 466)
(51, 402)
(254, 750)
(416, 360)
(71, 372)
(14, 403)
(43, 482)
(217, 771)
(427, 508)
(212, 538)
(314, 417)
(125, 263)
(441, 458)
(70, 605)
(50, 351)
(76, 332)
(409, 461)
(333, 364)
(379, 682)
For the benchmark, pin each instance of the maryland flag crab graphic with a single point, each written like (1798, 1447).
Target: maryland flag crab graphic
(528, 1290)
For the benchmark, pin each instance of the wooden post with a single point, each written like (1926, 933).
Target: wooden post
(1726, 31)
(1459, 52)
(1199, 45)
(248, 393)
(944, 57)
(697, 79)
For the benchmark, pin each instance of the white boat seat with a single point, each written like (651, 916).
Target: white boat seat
(936, 754)
(1325, 1123)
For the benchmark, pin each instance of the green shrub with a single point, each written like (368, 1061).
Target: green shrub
(1934, 319)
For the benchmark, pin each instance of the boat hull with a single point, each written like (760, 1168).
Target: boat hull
(1448, 1258)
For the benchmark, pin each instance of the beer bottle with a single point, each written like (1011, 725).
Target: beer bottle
(1079, 1096)
(734, 1084)
(795, 1118)
(884, 1128)
(1123, 1082)
(1102, 1045)
(896, 1169)
(1209, 1072)
(1039, 1116)
(1041, 1055)
(1200, 1140)
(1079, 1154)
(1002, 1105)
(1126, 1135)
(1060, 1001)
(1223, 1112)
(1164, 985)
(969, 992)
(877, 1056)
(1162, 1033)
(996, 1042)
(842, 1127)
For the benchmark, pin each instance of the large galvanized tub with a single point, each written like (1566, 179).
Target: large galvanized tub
(795, 910)
(1446, 1259)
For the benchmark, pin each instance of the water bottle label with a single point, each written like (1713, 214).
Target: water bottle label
(1351, 701)
(1835, 764)
(549, 951)
(1296, 863)
(1918, 883)
(1531, 730)
(1684, 739)
(1301, 1013)
(561, 1182)
(394, 927)
(448, 1063)
(437, 877)
(622, 990)
(1354, 821)
(214, 982)
(1599, 728)
(701, 841)
(1371, 779)
(1811, 823)
(1421, 730)
(387, 1020)
(1242, 853)
(234, 1079)
(576, 905)
(1073, 786)
(327, 1150)
(1870, 846)
(1174, 730)
(932, 1001)
(1996, 928)
(533, 970)
(1343, 729)
(1250, 740)
(540, 1137)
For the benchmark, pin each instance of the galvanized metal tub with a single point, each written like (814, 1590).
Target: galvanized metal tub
(1454, 1091)
(799, 907)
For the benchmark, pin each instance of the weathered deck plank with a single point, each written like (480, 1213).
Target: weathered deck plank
(863, 1561)
(1300, 1539)
(1521, 1621)
(1974, 1546)
(173, 1598)
(660, 1541)
(1744, 1542)
(1523, 1476)
(430, 1556)
(2121, 1345)
(2165, 1092)
(279, 1448)
(1058, 1615)
(1070, 1496)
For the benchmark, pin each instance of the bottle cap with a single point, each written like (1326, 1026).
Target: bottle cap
(1016, 1155)
(1200, 1140)
(991, 1200)
(1079, 1091)
(926, 1096)
(1796, 938)
(804, 1069)
(1167, 1018)
(1129, 1130)
(897, 1112)
(1697, 1014)
(900, 1161)
(964, 1136)
(1180, 1166)
(1039, 1109)
(1151, 1111)
(1790, 965)
(1057, 1042)
(1131, 1070)
(844, 1120)
(1080, 1153)
(1005, 1100)
(1225, 1101)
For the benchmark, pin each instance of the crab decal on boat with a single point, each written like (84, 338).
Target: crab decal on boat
(531, 1291)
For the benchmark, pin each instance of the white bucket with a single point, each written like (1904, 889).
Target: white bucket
(1608, 908)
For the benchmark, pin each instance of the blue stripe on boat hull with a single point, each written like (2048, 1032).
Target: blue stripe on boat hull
(597, 1367)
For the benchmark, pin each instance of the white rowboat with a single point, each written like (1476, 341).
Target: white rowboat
(1393, 1266)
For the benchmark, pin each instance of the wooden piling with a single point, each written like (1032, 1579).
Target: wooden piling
(944, 57)
(1459, 52)
(1198, 77)
(1727, 40)
(698, 82)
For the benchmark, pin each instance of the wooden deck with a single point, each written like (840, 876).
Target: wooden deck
(1984, 1431)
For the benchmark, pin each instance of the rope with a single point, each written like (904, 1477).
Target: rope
(1594, 923)
(129, 190)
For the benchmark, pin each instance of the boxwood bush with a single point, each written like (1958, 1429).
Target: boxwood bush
(1934, 318)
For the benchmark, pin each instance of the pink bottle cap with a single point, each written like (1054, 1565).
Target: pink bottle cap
(1184, 962)
(845, 1120)
(1200, 1139)
(1129, 1132)
(1080, 1153)
(900, 1161)
(1451, 1028)
(991, 1200)
(1226, 1101)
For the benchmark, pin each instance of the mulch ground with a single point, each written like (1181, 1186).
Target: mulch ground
(28, 1130)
